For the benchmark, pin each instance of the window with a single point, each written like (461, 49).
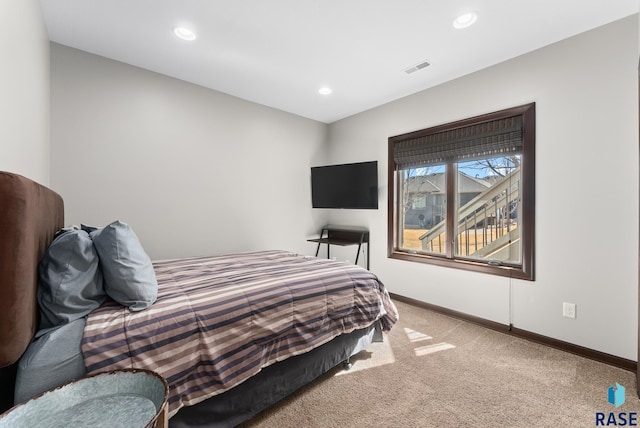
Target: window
(462, 195)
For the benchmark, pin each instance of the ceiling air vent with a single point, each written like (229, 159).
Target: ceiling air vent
(412, 69)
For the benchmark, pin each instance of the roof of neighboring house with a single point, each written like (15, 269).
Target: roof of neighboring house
(432, 183)
(435, 183)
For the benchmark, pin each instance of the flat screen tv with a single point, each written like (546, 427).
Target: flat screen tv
(348, 186)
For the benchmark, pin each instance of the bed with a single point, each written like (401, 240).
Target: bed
(232, 334)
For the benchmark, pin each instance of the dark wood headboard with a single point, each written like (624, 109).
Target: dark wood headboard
(30, 215)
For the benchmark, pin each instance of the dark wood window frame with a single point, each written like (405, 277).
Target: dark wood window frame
(523, 271)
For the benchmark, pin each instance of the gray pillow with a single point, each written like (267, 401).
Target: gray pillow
(69, 279)
(50, 360)
(129, 278)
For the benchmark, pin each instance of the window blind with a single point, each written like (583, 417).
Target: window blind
(499, 137)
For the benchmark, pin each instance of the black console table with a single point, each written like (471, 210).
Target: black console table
(343, 236)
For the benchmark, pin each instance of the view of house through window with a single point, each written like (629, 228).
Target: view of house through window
(462, 194)
(423, 195)
(487, 202)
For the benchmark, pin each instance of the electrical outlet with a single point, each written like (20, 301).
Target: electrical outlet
(568, 310)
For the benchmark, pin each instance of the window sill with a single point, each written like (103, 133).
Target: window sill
(508, 271)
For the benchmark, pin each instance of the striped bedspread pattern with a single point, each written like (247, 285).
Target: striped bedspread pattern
(220, 320)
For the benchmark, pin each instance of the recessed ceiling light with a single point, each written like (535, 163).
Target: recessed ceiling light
(184, 33)
(325, 90)
(465, 20)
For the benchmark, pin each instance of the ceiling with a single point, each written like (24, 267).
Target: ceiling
(279, 53)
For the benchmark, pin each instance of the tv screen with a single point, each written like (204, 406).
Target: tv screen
(350, 186)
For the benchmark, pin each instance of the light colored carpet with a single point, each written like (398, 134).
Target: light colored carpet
(437, 371)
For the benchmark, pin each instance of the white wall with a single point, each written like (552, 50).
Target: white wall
(24, 90)
(199, 172)
(586, 95)
(194, 171)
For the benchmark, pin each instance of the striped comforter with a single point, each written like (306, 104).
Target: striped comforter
(220, 320)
